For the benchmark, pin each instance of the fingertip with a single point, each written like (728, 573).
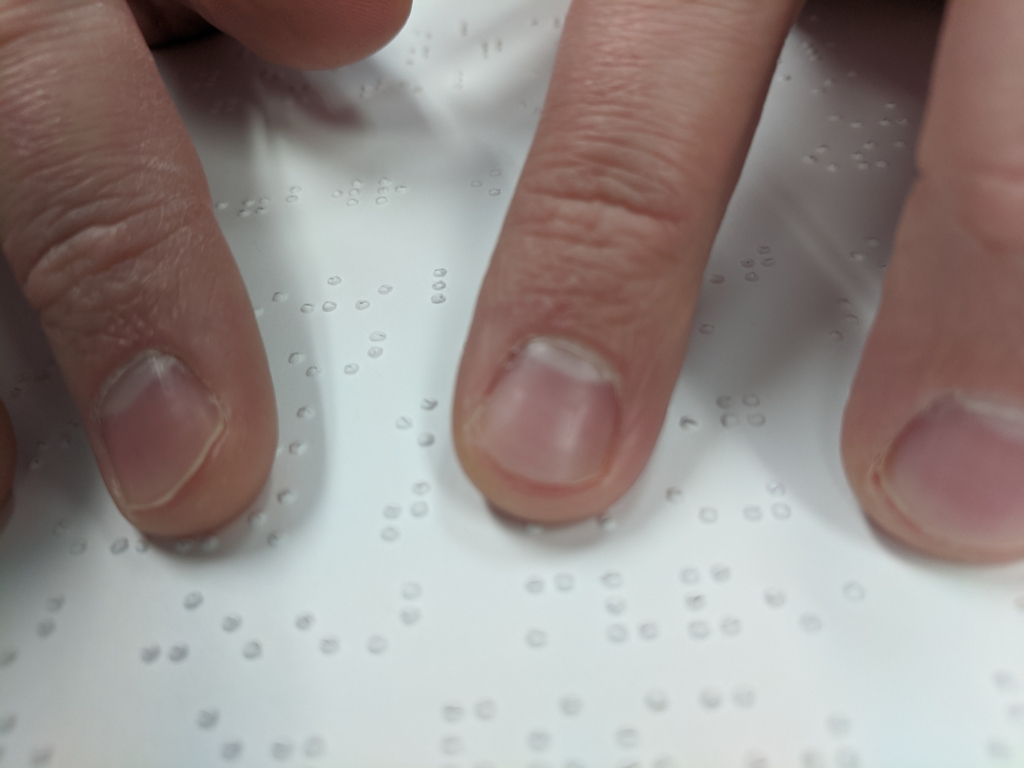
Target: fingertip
(226, 454)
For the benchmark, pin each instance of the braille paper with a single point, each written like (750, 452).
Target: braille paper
(734, 609)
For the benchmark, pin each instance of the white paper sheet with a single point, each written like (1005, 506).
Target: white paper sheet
(733, 610)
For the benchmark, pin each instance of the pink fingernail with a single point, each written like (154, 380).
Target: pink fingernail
(553, 415)
(158, 423)
(957, 473)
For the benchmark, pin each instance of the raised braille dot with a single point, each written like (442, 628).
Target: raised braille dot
(252, 650)
(708, 514)
(232, 750)
(329, 646)
(119, 546)
(710, 698)
(208, 718)
(193, 600)
(536, 638)
(377, 644)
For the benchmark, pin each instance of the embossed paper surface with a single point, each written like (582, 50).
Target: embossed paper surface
(733, 610)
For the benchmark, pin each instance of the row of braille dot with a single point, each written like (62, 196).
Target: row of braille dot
(314, 747)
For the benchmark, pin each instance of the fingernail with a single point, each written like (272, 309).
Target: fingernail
(957, 472)
(553, 415)
(158, 423)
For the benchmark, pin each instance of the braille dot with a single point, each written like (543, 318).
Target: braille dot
(452, 713)
(538, 741)
(729, 420)
(720, 572)
(617, 633)
(730, 626)
(485, 709)
(674, 494)
(411, 590)
(688, 423)
(389, 533)
(425, 440)
(648, 630)
(252, 650)
(535, 585)
(419, 509)
(410, 615)
(314, 747)
(375, 352)
(838, 725)
(377, 645)
(656, 700)
(710, 698)
(193, 600)
(536, 638)
(178, 653)
(329, 646)
(281, 750)
(440, 272)
(612, 579)
(753, 513)
(571, 705)
(231, 623)
(708, 514)
(451, 745)
(77, 547)
(362, 304)
(695, 602)
(307, 309)
(627, 738)
(304, 621)
(119, 546)
(428, 404)
(313, 371)
(853, 591)
(809, 622)
(717, 279)
(776, 598)
(706, 329)
(351, 369)
(286, 497)
(207, 718)
(615, 605)
(279, 297)
(231, 750)
(689, 575)
(438, 298)
(440, 285)
(384, 290)
(564, 582)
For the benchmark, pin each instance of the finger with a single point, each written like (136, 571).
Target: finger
(8, 455)
(309, 34)
(107, 222)
(583, 318)
(934, 429)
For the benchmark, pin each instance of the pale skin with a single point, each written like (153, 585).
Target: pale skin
(107, 222)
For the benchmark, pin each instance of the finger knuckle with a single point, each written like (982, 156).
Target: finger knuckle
(84, 256)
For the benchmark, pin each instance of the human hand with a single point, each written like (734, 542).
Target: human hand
(650, 112)
(107, 222)
(649, 115)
